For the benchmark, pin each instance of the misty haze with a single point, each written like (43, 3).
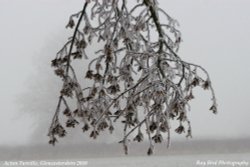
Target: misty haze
(215, 34)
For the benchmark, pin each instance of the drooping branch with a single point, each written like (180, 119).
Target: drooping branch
(155, 17)
(135, 78)
(75, 33)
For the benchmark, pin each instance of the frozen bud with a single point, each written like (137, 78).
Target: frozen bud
(90, 37)
(111, 129)
(86, 29)
(138, 137)
(178, 40)
(189, 133)
(206, 85)
(93, 122)
(71, 123)
(94, 134)
(97, 77)
(86, 112)
(172, 115)
(89, 74)
(93, 91)
(139, 68)
(77, 55)
(55, 62)
(214, 109)
(52, 141)
(89, 98)
(98, 66)
(85, 128)
(150, 151)
(131, 108)
(67, 112)
(189, 97)
(59, 72)
(195, 82)
(102, 93)
(81, 44)
(76, 112)
(103, 125)
(71, 23)
(176, 108)
(109, 58)
(64, 59)
(182, 116)
(163, 127)
(136, 121)
(180, 129)
(130, 114)
(125, 147)
(108, 50)
(157, 138)
(67, 89)
(61, 131)
(110, 78)
(113, 89)
(153, 126)
(118, 112)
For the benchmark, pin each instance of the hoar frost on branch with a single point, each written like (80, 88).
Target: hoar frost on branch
(138, 79)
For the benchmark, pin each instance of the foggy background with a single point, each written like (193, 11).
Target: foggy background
(216, 35)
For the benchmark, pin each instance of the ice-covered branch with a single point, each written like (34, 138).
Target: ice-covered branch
(136, 77)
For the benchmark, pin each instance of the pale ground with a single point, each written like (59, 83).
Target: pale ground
(207, 153)
(161, 161)
(172, 160)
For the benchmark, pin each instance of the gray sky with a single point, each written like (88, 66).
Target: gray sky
(215, 35)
